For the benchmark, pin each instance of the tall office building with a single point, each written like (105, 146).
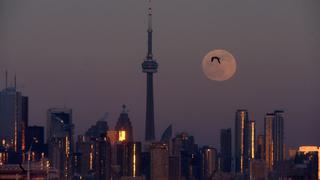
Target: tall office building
(60, 140)
(85, 148)
(149, 67)
(124, 126)
(252, 139)
(242, 141)
(184, 147)
(13, 122)
(225, 150)
(278, 136)
(274, 139)
(268, 141)
(209, 162)
(133, 159)
(102, 159)
(159, 161)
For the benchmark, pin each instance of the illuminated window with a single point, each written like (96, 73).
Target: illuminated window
(122, 136)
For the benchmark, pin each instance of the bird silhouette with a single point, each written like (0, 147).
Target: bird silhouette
(217, 58)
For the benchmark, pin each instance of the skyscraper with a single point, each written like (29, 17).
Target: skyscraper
(159, 163)
(124, 126)
(225, 150)
(183, 146)
(102, 158)
(60, 140)
(150, 67)
(268, 131)
(13, 121)
(209, 162)
(133, 159)
(278, 136)
(252, 139)
(274, 138)
(242, 141)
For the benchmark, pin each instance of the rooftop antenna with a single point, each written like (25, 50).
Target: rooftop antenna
(149, 56)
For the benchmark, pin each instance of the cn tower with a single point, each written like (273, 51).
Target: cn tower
(149, 66)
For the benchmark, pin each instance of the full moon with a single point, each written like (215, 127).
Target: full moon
(219, 65)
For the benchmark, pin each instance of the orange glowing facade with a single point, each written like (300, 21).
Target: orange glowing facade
(252, 139)
(274, 139)
(242, 141)
(310, 149)
(268, 130)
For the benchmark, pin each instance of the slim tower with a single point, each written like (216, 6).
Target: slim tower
(149, 66)
(242, 141)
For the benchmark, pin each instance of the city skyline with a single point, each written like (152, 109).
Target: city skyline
(213, 106)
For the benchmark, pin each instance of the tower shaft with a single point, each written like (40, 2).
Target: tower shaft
(150, 131)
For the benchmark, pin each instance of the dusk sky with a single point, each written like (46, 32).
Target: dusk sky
(87, 55)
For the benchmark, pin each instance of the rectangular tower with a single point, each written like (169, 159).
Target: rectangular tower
(268, 135)
(60, 140)
(225, 150)
(274, 138)
(278, 136)
(159, 162)
(242, 141)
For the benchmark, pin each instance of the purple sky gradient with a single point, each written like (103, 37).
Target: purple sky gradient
(87, 55)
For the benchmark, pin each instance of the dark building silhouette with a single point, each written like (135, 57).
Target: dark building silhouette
(25, 122)
(133, 159)
(278, 137)
(184, 147)
(35, 141)
(124, 126)
(101, 127)
(102, 159)
(242, 141)
(149, 66)
(85, 150)
(146, 164)
(225, 150)
(174, 168)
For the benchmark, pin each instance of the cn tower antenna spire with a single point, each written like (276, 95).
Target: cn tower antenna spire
(150, 55)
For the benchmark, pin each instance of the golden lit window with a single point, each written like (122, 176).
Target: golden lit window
(122, 136)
